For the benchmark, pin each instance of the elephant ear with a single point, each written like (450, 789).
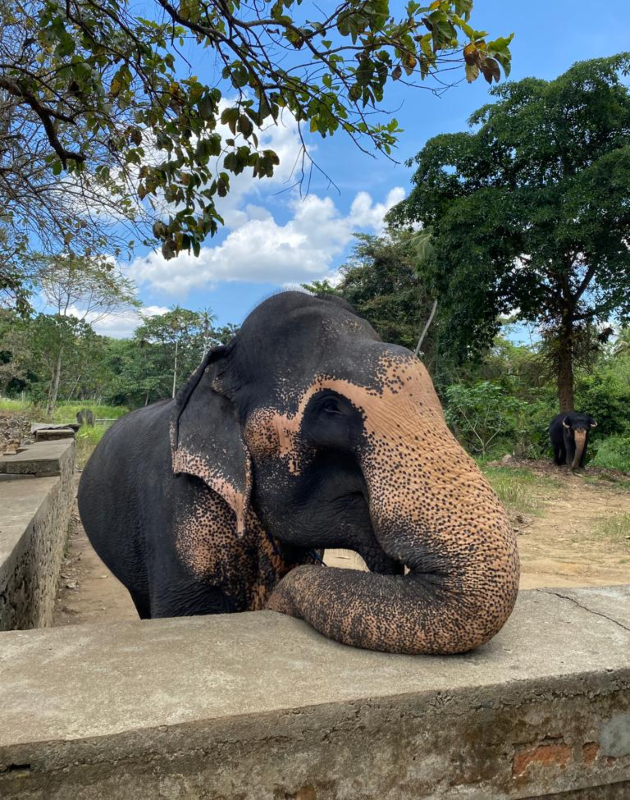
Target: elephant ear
(206, 438)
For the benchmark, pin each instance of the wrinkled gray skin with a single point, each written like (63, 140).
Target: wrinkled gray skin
(305, 432)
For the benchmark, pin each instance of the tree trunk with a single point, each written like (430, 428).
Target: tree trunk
(74, 388)
(54, 390)
(175, 369)
(425, 329)
(565, 364)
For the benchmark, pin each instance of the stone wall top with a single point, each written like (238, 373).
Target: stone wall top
(90, 681)
(40, 458)
(258, 706)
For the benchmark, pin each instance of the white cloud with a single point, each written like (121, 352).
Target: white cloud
(120, 324)
(366, 214)
(260, 250)
(284, 140)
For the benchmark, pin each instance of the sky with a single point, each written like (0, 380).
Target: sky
(275, 238)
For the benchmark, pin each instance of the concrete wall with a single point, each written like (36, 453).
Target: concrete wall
(36, 496)
(258, 706)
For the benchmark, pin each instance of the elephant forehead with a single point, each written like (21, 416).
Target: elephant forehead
(400, 386)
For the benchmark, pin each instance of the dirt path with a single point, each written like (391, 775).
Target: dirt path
(568, 544)
(565, 544)
(89, 592)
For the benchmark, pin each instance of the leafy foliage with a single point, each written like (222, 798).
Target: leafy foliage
(16, 278)
(482, 415)
(47, 122)
(124, 372)
(63, 350)
(614, 453)
(381, 281)
(100, 92)
(164, 351)
(531, 211)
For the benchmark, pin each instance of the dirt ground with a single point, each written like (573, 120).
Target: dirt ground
(562, 544)
(89, 593)
(566, 544)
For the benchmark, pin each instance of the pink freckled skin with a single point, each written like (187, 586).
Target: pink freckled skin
(305, 432)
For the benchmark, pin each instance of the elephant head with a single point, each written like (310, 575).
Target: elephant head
(577, 427)
(336, 439)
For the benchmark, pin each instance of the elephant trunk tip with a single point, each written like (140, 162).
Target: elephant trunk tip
(580, 444)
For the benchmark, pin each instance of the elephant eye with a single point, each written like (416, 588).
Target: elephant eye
(330, 406)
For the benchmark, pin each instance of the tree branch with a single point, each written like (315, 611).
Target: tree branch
(46, 116)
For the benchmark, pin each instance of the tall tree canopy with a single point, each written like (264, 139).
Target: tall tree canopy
(381, 281)
(99, 94)
(530, 212)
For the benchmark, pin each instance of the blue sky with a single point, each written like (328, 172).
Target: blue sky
(274, 238)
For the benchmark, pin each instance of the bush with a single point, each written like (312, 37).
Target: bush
(483, 416)
(605, 395)
(531, 436)
(613, 453)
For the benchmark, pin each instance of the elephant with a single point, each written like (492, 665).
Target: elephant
(568, 432)
(305, 432)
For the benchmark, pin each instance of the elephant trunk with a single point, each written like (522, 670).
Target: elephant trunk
(580, 444)
(432, 510)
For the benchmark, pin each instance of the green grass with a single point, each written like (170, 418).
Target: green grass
(615, 527)
(65, 412)
(614, 453)
(520, 490)
(86, 440)
(6, 404)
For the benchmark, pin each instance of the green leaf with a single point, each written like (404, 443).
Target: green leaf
(207, 107)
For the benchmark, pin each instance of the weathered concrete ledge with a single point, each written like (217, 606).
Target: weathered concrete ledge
(43, 459)
(259, 706)
(36, 494)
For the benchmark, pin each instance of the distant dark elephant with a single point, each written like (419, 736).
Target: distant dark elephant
(305, 432)
(569, 437)
(85, 417)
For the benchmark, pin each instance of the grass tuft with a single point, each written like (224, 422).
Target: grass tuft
(616, 527)
(520, 490)
(86, 440)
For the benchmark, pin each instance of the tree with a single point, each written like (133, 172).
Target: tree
(531, 212)
(138, 373)
(53, 342)
(81, 290)
(14, 350)
(182, 336)
(381, 281)
(99, 91)
(16, 279)
(37, 202)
